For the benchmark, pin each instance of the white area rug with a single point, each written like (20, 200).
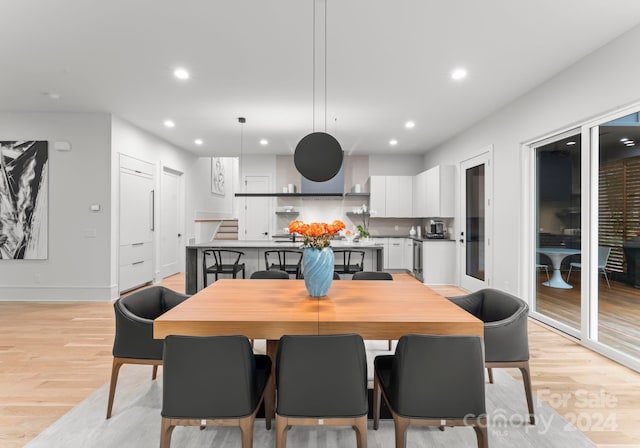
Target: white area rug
(136, 422)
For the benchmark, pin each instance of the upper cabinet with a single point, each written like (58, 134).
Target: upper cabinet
(433, 192)
(391, 196)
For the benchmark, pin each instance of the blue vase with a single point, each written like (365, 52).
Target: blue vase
(317, 270)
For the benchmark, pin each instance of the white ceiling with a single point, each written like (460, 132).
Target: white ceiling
(387, 62)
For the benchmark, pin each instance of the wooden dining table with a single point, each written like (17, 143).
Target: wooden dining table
(269, 309)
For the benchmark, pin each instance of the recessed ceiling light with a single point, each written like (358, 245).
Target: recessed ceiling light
(393, 142)
(169, 123)
(624, 139)
(571, 143)
(409, 125)
(198, 141)
(264, 142)
(458, 74)
(630, 143)
(181, 73)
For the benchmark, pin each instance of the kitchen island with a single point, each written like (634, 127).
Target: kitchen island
(254, 256)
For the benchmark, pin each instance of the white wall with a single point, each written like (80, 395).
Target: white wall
(78, 267)
(603, 81)
(130, 140)
(395, 165)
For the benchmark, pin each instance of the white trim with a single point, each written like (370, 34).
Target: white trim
(559, 326)
(52, 293)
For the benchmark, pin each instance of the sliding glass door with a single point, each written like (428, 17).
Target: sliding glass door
(616, 266)
(558, 237)
(584, 265)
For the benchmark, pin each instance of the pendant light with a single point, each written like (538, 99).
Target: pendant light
(318, 156)
(242, 121)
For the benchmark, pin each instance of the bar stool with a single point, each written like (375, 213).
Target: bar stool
(292, 267)
(219, 266)
(346, 261)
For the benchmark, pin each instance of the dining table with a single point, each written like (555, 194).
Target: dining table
(269, 309)
(556, 255)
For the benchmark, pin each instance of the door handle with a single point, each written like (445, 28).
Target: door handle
(265, 233)
(179, 235)
(461, 240)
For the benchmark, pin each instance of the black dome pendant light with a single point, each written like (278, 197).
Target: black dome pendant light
(318, 156)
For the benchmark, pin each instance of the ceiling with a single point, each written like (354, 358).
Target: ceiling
(386, 62)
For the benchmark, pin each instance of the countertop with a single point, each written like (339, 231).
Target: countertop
(283, 244)
(414, 238)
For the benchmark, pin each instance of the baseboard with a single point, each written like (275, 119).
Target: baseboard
(48, 293)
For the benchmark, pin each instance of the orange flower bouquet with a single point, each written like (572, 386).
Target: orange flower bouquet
(317, 235)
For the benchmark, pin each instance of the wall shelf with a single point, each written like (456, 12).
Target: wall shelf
(362, 195)
(288, 213)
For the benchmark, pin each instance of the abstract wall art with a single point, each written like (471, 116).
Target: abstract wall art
(23, 199)
(217, 175)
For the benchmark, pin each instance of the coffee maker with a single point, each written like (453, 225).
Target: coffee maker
(436, 230)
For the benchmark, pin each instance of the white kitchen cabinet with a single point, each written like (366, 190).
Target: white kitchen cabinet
(391, 196)
(420, 195)
(434, 192)
(407, 254)
(439, 262)
(378, 195)
(136, 223)
(396, 253)
(440, 190)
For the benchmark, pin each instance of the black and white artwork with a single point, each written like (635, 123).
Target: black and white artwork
(23, 199)
(217, 175)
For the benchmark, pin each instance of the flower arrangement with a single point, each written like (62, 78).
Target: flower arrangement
(317, 235)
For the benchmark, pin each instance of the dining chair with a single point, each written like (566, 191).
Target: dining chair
(321, 381)
(212, 380)
(543, 266)
(274, 274)
(432, 381)
(506, 341)
(348, 261)
(225, 261)
(603, 258)
(134, 342)
(336, 276)
(277, 259)
(373, 275)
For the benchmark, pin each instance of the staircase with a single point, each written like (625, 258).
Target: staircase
(227, 230)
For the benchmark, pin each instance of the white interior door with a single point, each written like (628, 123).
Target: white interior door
(475, 222)
(171, 234)
(257, 210)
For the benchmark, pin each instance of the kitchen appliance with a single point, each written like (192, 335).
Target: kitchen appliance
(417, 260)
(436, 230)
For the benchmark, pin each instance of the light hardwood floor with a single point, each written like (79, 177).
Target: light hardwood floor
(53, 355)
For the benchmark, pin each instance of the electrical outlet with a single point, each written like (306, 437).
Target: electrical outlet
(396, 228)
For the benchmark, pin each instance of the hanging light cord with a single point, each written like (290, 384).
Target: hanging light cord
(325, 65)
(314, 67)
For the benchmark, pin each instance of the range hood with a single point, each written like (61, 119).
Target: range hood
(334, 186)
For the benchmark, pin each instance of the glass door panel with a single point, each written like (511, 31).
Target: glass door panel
(558, 241)
(618, 251)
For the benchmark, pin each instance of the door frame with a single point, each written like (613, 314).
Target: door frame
(484, 155)
(180, 217)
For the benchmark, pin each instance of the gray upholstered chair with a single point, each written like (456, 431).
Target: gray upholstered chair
(212, 380)
(273, 274)
(134, 342)
(372, 275)
(288, 260)
(506, 341)
(225, 261)
(432, 381)
(321, 380)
